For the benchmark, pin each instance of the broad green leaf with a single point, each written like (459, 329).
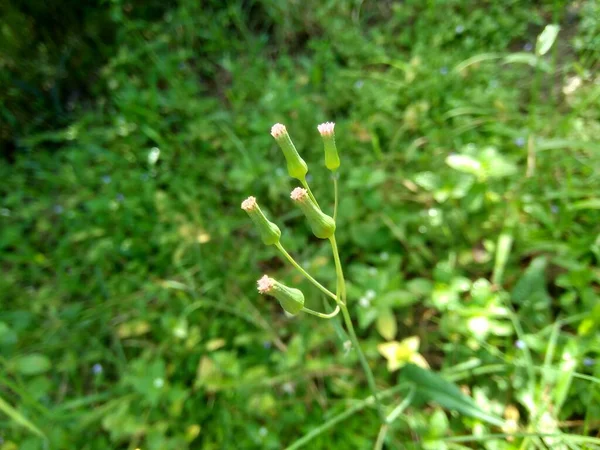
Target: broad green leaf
(33, 364)
(386, 325)
(546, 39)
(465, 163)
(433, 387)
(19, 418)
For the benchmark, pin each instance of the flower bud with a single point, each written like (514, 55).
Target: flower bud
(296, 166)
(321, 224)
(269, 232)
(290, 299)
(332, 160)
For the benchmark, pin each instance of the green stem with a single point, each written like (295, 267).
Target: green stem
(322, 315)
(381, 437)
(304, 272)
(310, 194)
(335, 194)
(341, 283)
(342, 416)
(363, 361)
(341, 294)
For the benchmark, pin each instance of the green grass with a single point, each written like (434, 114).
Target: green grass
(468, 217)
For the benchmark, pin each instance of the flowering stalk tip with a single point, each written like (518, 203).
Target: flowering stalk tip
(269, 232)
(321, 224)
(290, 299)
(332, 160)
(296, 166)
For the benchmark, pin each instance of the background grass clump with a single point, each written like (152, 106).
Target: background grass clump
(469, 218)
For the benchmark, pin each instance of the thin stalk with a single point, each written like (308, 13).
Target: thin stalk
(341, 293)
(310, 194)
(381, 437)
(341, 283)
(363, 361)
(335, 195)
(342, 416)
(304, 272)
(322, 315)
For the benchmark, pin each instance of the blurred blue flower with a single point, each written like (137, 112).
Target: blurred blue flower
(520, 344)
(520, 141)
(97, 369)
(267, 344)
(106, 179)
(554, 208)
(58, 209)
(459, 29)
(528, 47)
(120, 198)
(444, 70)
(588, 362)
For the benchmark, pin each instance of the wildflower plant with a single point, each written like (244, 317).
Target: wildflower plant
(399, 354)
(323, 226)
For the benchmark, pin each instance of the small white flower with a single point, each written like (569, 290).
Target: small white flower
(249, 204)
(299, 194)
(278, 130)
(326, 129)
(364, 302)
(265, 284)
(158, 383)
(370, 294)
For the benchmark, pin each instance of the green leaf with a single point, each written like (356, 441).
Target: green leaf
(386, 325)
(33, 364)
(19, 418)
(546, 39)
(433, 387)
(465, 163)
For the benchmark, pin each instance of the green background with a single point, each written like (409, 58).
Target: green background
(469, 216)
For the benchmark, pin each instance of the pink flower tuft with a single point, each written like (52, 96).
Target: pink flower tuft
(278, 130)
(249, 204)
(265, 284)
(326, 129)
(298, 194)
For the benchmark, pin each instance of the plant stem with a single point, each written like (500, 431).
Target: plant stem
(304, 272)
(335, 195)
(341, 283)
(342, 416)
(341, 294)
(381, 437)
(310, 194)
(363, 361)
(323, 315)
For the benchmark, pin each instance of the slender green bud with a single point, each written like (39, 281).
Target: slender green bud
(321, 224)
(296, 166)
(332, 160)
(269, 232)
(290, 299)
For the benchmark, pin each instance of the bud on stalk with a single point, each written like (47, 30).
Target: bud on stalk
(321, 224)
(290, 299)
(269, 232)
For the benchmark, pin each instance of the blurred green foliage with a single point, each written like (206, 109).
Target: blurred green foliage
(469, 218)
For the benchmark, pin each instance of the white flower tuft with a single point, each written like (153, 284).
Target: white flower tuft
(298, 194)
(326, 129)
(278, 130)
(265, 284)
(249, 204)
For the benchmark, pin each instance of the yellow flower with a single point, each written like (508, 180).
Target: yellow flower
(400, 353)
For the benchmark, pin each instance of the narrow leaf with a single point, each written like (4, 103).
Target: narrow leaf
(546, 39)
(19, 418)
(433, 387)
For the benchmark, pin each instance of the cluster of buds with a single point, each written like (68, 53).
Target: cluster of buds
(321, 224)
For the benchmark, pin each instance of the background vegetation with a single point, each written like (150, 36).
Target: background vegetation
(469, 218)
